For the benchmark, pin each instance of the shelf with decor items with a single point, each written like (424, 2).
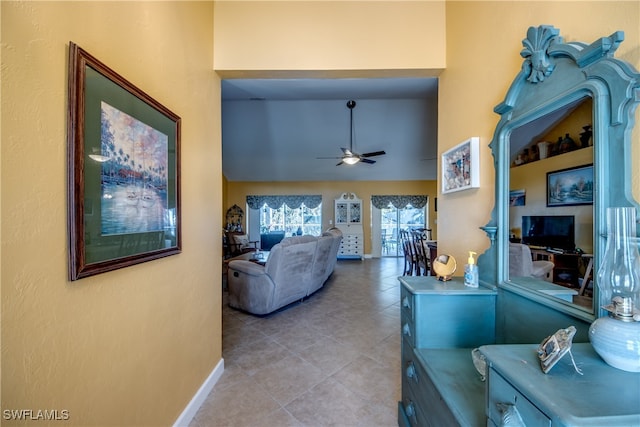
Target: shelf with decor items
(573, 132)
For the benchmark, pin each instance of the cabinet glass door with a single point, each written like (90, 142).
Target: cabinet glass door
(354, 213)
(341, 213)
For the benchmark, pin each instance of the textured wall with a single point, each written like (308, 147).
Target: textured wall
(129, 347)
(329, 36)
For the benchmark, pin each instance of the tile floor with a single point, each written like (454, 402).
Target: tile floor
(332, 360)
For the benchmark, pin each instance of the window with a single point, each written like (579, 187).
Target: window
(302, 220)
(393, 220)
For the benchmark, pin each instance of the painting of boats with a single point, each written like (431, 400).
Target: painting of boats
(133, 174)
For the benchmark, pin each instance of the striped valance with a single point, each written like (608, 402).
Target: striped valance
(399, 202)
(293, 202)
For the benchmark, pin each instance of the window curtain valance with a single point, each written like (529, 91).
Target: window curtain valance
(293, 202)
(399, 202)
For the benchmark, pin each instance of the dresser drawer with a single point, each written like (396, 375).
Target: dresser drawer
(414, 380)
(501, 393)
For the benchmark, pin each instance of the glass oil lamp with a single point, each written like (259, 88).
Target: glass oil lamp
(616, 337)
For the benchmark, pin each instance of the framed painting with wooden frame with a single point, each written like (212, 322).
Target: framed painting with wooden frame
(123, 171)
(570, 187)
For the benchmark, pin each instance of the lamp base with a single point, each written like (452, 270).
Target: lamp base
(617, 342)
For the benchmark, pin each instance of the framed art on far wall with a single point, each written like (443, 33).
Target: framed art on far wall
(517, 197)
(123, 169)
(461, 166)
(570, 187)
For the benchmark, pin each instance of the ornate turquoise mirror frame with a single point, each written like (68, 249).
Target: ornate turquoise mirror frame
(557, 77)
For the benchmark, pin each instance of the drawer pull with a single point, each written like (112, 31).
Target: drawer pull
(405, 303)
(411, 371)
(406, 330)
(510, 417)
(410, 409)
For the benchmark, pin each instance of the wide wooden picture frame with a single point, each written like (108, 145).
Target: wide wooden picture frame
(570, 187)
(123, 171)
(461, 166)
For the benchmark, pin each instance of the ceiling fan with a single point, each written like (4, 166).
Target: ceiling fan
(350, 157)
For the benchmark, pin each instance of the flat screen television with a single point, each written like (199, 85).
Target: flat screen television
(549, 231)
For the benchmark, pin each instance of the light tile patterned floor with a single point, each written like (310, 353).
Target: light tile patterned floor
(332, 360)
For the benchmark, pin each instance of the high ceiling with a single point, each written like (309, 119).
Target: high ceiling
(275, 129)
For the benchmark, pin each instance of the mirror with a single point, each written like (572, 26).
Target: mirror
(552, 189)
(551, 203)
(444, 266)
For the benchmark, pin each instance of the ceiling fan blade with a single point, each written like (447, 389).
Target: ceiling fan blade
(341, 162)
(367, 161)
(375, 153)
(348, 152)
(328, 157)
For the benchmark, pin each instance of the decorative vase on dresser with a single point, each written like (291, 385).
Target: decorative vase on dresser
(348, 218)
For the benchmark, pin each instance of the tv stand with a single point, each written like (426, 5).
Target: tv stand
(566, 265)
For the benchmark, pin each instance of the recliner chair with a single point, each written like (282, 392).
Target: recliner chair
(522, 265)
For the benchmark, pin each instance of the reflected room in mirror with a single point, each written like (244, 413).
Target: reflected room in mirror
(552, 243)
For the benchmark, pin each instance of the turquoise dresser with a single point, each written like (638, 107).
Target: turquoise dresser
(601, 396)
(441, 322)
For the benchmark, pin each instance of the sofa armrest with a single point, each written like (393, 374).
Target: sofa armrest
(247, 267)
(250, 288)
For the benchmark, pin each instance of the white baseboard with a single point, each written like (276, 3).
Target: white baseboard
(198, 399)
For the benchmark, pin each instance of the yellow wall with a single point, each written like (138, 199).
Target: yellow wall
(129, 347)
(329, 37)
(483, 57)
(331, 190)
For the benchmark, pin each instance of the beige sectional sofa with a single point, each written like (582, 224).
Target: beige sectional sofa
(297, 267)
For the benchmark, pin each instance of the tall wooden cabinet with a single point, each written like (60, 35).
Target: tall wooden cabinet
(348, 218)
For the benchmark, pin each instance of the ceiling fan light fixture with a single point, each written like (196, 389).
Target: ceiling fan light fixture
(351, 160)
(350, 157)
